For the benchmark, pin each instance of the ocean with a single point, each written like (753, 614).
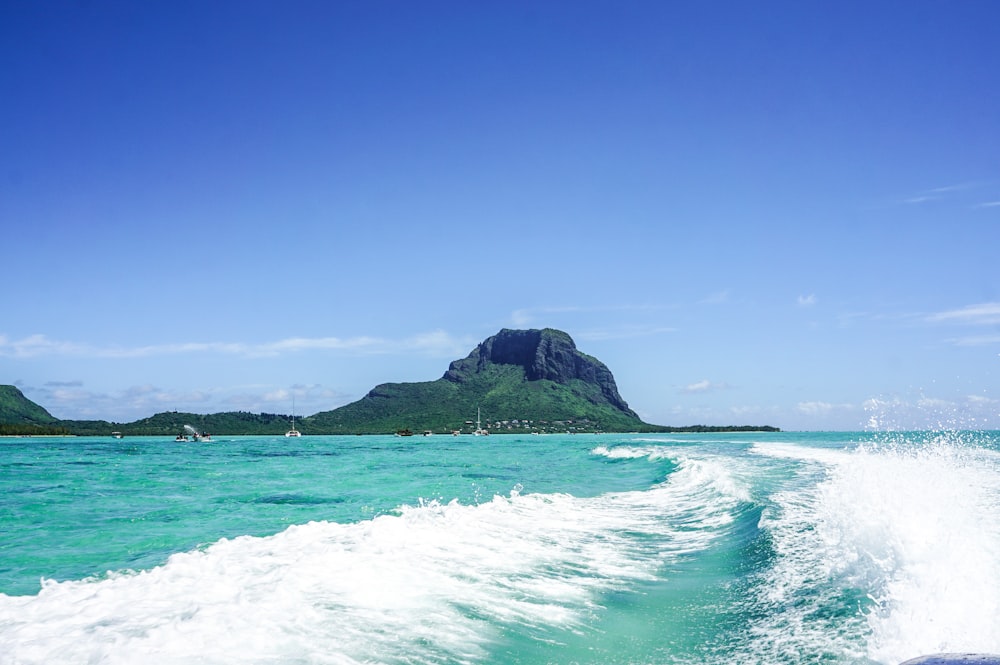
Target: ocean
(751, 548)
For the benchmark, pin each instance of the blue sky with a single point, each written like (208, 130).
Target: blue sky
(754, 213)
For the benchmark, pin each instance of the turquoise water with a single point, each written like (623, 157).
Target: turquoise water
(690, 548)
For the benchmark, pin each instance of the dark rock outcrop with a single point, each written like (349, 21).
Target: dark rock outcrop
(545, 354)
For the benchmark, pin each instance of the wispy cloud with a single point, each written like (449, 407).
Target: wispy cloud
(987, 313)
(718, 298)
(954, 188)
(703, 386)
(436, 342)
(817, 408)
(988, 204)
(143, 400)
(529, 315)
(807, 301)
(938, 193)
(538, 315)
(622, 332)
(921, 199)
(975, 340)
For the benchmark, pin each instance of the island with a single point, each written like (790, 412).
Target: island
(517, 381)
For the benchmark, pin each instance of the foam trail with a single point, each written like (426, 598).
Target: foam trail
(630, 452)
(435, 583)
(907, 534)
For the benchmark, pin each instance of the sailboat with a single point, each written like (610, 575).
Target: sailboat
(479, 430)
(293, 431)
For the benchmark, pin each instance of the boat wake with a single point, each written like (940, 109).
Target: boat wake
(898, 544)
(433, 583)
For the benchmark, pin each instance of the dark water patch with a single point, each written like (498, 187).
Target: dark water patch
(298, 499)
(33, 489)
(486, 476)
(293, 453)
(275, 453)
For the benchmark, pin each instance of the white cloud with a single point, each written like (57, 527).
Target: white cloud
(988, 204)
(435, 343)
(976, 340)
(703, 386)
(39, 345)
(807, 301)
(817, 408)
(987, 313)
(745, 411)
(934, 403)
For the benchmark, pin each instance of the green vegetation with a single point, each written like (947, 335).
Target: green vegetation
(19, 416)
(508, 404)
(33, 430)
(500, 392)
(15, 408)
(171, 423)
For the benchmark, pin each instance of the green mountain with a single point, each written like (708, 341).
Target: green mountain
(517, 380)
(16, 409)
(19, 415)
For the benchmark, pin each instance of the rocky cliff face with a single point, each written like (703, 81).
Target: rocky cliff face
(544, 354)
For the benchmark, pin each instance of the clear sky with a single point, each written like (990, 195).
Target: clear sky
(780, 213)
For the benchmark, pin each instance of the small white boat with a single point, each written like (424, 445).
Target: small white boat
(293, 432)
(117, 435)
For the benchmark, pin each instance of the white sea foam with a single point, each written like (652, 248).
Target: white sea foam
(799, 452)
(915, 528)
(434, 583)
(652, 453)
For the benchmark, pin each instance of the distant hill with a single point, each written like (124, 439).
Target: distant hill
(171, 423)
(518, 380)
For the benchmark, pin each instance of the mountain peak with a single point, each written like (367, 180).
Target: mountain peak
(545, 354)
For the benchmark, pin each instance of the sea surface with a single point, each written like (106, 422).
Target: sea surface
(602, 549)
